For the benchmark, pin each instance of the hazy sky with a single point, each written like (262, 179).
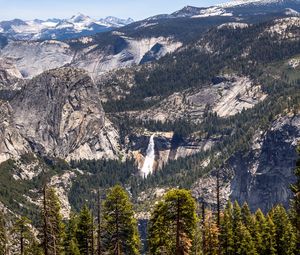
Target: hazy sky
(136, 9)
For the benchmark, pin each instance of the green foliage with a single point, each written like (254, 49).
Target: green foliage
(247, 245)
(98, 173)
(70, 242)
(226, 231)
(173, 224)
(211, 244)
(24, 240)
(285, 233)
(3, 234)
(119, 231)
(85, 231)
(295, 207)
(12, 190)
(53, 227)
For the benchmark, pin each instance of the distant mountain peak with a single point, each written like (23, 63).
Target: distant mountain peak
(116, 22)
(76, 26)
(247, 2)
(79, 17)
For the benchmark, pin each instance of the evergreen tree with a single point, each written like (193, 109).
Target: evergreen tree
(247, 245)
(198, 240)
(211, 230)
(261, 229)
(176, 216)
(159, 236)
(3, 235)
(296, 201)
(226, 231)
(99, 229)
(71, 244)
(248, 219)
(236, 226)
(285, 233)
(53, 229)
(24, 240)
(120, 234)
(85, 231)
(270, 237)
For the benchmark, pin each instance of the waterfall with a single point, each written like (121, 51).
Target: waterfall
(149, 160)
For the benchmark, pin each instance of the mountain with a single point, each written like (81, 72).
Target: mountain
(197, 93)
(116, 22)
(238, 9)
(60, 29)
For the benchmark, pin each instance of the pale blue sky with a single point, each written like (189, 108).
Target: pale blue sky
(137, 9)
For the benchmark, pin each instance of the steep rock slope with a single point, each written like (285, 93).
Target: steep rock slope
(33, 58)
(9, 75)
(261, 176)
(264, 175)
(89, 53)
(12, 144)
(60, 114)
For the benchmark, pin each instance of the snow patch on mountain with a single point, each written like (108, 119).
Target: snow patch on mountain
(212, 11)
(247, 2)
(54, 28)
(111, 21)
(291, 12)
(233, 25)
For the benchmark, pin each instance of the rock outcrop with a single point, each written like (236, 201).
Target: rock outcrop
(97, 57)
(9, 74)
(227, 95)
(263, 176)
(12, 144)
(60, 114)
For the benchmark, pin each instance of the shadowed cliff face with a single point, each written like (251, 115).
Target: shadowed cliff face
(263, 176)
(60, 113)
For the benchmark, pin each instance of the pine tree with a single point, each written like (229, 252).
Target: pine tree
(70, 243)
(296, 201)
(248, 219)
(285, 233)
(159, 237)
(270, 237)
(236, 226)
(247, 246)
(53, 229)
(24, 240)
(177, 213)
(99, 229)
(197, 242)
(3, 235)
(120, 234)
(226, 231)
(211, 245)
(260, 234)
(84, 231)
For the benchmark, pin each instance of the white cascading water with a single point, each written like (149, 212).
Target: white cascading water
(149, 160)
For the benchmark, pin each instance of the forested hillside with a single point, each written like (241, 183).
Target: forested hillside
(176, 134)
(178, 224)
